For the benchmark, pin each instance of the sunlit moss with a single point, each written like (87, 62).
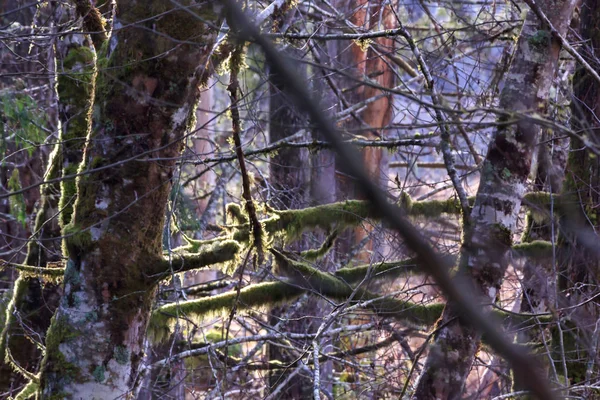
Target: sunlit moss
(257, 295)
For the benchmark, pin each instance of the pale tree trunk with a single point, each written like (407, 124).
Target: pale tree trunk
(488, 233)
(144, 101)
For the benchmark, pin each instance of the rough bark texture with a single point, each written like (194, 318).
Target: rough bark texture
(498, 201)
(146, 92)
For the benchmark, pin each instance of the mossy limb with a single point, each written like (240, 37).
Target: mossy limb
(257, 295)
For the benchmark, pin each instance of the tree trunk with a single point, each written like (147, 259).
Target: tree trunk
(144, 101)
(488, 236)
(290, 178)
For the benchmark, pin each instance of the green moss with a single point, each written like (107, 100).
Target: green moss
(18, 291)
(502, 233)
(30, 390)
(315, 254)
(225, 251)
(539, 205)
(435, 208)
(310, 278)
(384, 270)
(294, 222)
(538, 249)
(48, 273)
(573, 350)
(17, 202)
(236, 212)
(91, 316)
(72, 275)
(252, 296)
(332, 287)
(121, 355)
(54, 365)
(99, 373)
(540, 39)
(76, 240)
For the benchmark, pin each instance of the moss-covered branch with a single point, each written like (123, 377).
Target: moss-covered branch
(292, 223)
(387, 270)
(28, 391)
(334, 288)
(251, 296)
(538, 249)
(53, 272)
(315, 254)
(209, 254)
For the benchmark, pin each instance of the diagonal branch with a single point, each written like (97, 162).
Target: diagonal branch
(454, 289)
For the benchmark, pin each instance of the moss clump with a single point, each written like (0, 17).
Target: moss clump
(540, 39)
(76, 240)
(209, 254)
(121, 355)
(238, 215)
(99, 373)
(56, 368)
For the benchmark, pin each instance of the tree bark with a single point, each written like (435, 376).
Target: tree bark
(145, 97)
(498, 202)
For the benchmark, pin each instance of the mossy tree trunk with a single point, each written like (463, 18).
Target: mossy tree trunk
(145, 96)
(488, 236)
(33, 302)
